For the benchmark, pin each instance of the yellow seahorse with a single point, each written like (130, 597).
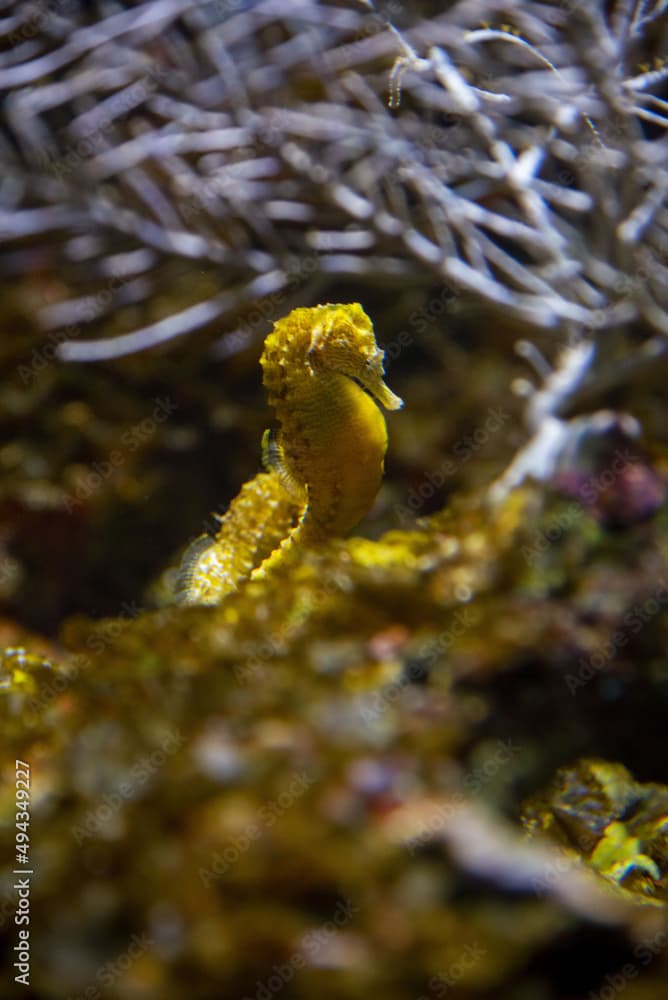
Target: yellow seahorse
(323, 373)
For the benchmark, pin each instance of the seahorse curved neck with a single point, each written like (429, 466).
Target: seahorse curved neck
(334, 441)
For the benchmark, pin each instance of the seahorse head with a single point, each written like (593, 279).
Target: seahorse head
(342, 340)
(334, 338)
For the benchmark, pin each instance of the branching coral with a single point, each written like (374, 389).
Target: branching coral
(258, 143)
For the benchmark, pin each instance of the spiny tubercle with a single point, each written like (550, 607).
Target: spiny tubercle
(323, 373)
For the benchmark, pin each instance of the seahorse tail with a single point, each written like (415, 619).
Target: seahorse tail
(259, 518)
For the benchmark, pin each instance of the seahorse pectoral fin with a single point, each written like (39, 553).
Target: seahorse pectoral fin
(268, 449)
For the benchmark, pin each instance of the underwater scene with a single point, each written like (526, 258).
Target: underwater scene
(334, 499)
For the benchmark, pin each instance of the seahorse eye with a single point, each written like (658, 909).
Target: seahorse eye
(375, 362)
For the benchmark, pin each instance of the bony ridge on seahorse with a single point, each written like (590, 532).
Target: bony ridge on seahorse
(323, 373)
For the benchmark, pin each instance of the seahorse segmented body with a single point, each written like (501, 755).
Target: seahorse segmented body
(323, 373)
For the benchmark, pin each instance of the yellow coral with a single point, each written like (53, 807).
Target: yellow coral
(323, 373)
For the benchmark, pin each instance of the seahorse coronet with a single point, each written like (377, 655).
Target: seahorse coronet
(323, 373)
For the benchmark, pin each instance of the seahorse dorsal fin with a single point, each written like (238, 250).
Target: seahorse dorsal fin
(190, 566)
(273, 460)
